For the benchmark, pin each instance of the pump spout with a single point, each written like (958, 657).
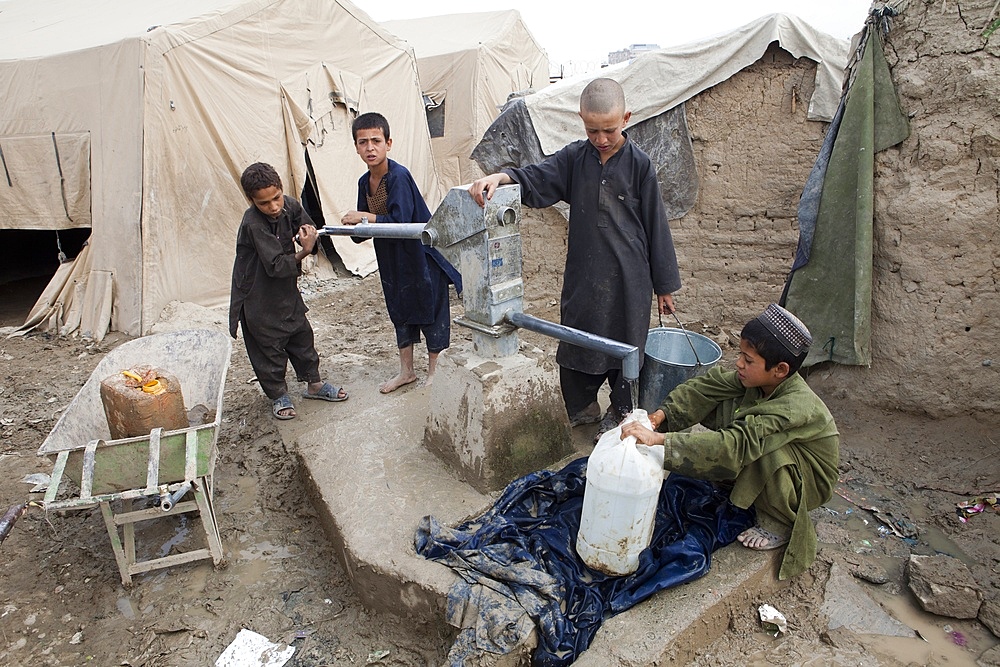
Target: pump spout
(629, 354)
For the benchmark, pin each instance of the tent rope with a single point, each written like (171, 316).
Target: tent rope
(61, 255)
(62, 179)
(5, 170)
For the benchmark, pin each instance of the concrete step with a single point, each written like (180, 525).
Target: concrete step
(372, 481)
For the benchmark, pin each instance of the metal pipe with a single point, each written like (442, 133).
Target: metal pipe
(381, 230)
(10, 517)
(167, 502)
(629, 354)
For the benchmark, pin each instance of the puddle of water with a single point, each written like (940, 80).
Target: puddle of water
(931, 537)
(940, 647)
(125, 607)
(179, 537)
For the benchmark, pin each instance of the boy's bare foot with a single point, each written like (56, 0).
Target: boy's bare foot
(758, 539)
(395, 383)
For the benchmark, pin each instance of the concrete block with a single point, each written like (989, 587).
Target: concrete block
(494, 420)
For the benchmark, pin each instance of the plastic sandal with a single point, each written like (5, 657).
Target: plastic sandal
(327, 393)
(283, 402)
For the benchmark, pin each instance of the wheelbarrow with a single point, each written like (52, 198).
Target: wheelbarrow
(163, 466)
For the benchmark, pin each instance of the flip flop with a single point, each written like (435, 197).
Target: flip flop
(327, 393)
(608, 422)
(283, 402)
(589, 415)
(771, 540)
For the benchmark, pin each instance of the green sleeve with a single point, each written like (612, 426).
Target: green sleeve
(702, 399)
(723, 454)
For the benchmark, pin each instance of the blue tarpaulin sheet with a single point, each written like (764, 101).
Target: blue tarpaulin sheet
(519, 569)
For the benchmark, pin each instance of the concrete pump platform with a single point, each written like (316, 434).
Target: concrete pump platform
(372, 480)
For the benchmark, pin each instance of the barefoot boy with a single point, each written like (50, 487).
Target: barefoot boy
(770, 434)
(619, 246)
(415, 277)
(265, 299)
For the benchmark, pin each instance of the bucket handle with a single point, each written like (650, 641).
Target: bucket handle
(686, 335)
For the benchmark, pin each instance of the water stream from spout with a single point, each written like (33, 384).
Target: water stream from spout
(633, 386)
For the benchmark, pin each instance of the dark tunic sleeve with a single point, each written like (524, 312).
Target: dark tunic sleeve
(619, 245)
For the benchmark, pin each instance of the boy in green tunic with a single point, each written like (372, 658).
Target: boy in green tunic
(770, 435)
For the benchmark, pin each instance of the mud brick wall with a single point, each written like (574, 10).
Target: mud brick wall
(936, 307)
(754, 148)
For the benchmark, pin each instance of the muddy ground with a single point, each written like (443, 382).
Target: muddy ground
(62, 603)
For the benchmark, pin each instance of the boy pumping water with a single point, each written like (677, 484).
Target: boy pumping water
(619, 248)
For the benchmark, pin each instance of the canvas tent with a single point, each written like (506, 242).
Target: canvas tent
(657, 81)
(136, 119)
(469, 64)
(656, 85)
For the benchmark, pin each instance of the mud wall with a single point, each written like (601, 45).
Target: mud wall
(754, 148)
(937, 223)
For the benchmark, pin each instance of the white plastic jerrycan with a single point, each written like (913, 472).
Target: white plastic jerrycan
(619, 501)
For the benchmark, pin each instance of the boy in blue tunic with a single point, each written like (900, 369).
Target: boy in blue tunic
(415, 277)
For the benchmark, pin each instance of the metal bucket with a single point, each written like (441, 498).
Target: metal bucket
(670, 360)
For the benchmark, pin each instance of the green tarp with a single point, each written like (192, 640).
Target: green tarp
(831, 293)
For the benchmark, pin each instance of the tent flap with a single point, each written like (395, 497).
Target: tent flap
(60, 304)
(324, 101)
(45, 181)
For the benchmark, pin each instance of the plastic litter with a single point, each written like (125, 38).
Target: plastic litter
(250, 649)
(377, 656)
(39, 479)
(773, 620)
(969, 508)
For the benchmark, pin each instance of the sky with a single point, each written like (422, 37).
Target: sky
(579, 35)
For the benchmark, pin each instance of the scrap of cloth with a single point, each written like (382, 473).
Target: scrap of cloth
(519, 569)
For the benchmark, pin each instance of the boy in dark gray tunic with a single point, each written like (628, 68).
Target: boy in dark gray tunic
(265, 299)
(619, 252)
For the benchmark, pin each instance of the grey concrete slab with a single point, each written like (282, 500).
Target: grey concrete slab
(672, 625)
(372, 481)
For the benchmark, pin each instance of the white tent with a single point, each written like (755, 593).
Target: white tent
(469, 64)
(657, 81)
(137, 117)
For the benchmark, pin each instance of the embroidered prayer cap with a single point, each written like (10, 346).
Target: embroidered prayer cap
(786, 328)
